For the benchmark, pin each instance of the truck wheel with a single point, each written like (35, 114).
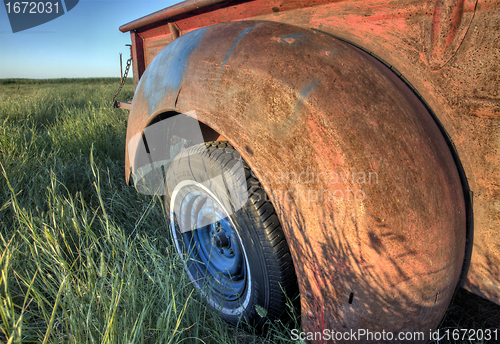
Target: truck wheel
(237, 258)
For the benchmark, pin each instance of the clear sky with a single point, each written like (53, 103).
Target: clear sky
(84, 42)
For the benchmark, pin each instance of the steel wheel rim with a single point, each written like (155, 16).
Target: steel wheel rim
(212, 246)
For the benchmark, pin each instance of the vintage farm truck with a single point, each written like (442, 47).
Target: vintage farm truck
(347, 151)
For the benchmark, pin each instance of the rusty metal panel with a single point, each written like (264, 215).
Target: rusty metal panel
(138, 63)
(170, 12)
(448, 50)
(154, 45)
(370, 253)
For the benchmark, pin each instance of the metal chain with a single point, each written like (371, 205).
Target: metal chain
(129, 62)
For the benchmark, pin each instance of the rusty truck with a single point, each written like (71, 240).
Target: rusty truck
(365, 138)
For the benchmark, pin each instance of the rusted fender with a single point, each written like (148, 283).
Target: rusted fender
(362, 180)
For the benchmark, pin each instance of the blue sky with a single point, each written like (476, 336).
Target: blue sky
(84, 42)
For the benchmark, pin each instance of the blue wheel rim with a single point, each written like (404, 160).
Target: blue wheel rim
(215, 257)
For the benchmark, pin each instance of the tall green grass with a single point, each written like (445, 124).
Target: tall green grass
(85, 258)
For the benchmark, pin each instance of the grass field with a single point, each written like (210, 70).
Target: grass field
(84, 258)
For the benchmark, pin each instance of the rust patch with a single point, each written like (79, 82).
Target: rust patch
(450, 22)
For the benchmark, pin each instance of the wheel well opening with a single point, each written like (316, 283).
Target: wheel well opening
(208, 133)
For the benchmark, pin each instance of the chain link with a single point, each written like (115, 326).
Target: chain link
(129, 62)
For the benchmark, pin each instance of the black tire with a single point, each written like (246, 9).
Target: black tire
(238, 259)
